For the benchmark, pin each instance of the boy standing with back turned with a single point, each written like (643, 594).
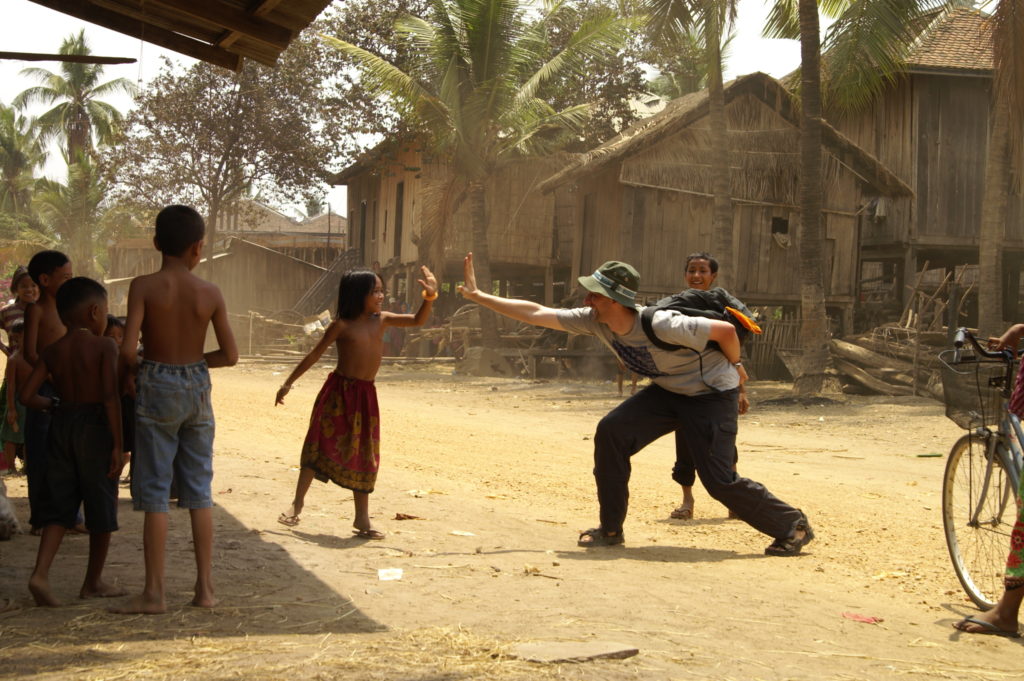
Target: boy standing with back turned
(174, 417)
(85, 456)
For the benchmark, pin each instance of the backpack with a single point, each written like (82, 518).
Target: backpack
(714, 304)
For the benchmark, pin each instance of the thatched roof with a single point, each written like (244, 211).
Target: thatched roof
(680, 114)
(220, 33)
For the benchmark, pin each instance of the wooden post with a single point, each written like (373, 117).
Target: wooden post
(549, 285)
(250, 333)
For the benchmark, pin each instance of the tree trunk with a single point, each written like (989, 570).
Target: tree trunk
(721, 180)
(482, 261)
(993, 222)
(211, 235)
(814, 333)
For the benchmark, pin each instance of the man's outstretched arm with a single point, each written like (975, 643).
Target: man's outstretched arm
(521, 310)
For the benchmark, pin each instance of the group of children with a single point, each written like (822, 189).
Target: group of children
(81, 375)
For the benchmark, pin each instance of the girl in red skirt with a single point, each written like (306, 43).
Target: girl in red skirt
(343, 441)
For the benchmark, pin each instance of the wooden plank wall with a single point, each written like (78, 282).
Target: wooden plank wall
(952, 135)
(261, 280)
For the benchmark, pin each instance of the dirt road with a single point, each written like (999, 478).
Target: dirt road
(498, 474)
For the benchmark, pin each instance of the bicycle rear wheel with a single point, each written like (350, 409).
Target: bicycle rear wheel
(978, 513)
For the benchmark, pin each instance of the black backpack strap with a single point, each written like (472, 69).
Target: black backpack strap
(647, 322)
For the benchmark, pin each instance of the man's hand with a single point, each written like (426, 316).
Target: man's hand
(12, 419)
(428, 282)
(468, 288)
(281, 392)
(744, 401)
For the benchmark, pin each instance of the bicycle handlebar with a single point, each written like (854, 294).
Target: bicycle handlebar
(963, 334)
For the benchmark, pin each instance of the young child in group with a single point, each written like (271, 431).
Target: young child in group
(172, 308)
(343, 442)
(115, 330)
(49, 270)
(85, 457)
(12, 431)
(25, 293)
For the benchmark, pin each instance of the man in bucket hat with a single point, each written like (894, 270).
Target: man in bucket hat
(693, 391)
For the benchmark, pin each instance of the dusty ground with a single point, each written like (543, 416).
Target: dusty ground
(509, 462)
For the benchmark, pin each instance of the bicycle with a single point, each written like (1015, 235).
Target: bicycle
(983, 469)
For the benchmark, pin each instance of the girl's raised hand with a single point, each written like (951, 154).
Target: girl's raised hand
(468, 287)
(429, 281)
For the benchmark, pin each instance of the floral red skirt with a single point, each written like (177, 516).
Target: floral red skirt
(343, 441)
(1015, 561)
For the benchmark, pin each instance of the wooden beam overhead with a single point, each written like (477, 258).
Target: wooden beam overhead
(70, 58)
(261, 9)
(143, 31)
(222, 15)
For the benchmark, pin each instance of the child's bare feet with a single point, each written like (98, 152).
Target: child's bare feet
(141, 605)
(101, 590)
(204, 596)
(40, 590)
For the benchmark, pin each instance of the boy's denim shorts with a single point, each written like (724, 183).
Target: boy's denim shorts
(173, 436)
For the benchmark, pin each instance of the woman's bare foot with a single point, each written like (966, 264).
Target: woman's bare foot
(141, 605)
(101, 590)
(40, 590)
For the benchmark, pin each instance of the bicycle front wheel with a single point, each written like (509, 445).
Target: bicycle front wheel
(978, 514)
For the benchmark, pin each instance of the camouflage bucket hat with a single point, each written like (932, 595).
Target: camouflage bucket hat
(616, 280)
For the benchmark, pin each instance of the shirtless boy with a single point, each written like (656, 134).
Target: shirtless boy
(172, 308)
(49, 269)
(85, 457)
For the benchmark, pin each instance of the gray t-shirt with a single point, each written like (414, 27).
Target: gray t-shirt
(687, 372)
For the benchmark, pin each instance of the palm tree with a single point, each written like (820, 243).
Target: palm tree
(78, 117)
(1005, 151)
(672, 21)
(866, 48)
(686, 68)
(71, 210)
(478, 69)
(21, 154)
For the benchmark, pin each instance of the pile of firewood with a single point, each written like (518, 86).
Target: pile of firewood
(891, 360)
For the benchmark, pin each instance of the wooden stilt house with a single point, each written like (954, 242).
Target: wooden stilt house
(931, 127)
(645, 197)
(390, 190)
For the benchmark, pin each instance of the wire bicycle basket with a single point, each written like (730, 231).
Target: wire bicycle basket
(975, 392)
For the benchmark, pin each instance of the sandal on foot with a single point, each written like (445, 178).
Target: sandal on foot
(289, 520)
(682, 512)
(987, 628)
(791, 546)
(598, 537)
(368, 534)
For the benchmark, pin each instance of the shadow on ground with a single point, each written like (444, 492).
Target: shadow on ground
(262, 590)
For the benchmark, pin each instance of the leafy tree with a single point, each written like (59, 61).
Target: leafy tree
(21, 154)
(78, 117)
(474, 85)
(208, 137)
(71, 210)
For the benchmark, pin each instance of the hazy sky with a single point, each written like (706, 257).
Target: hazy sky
(28, 27)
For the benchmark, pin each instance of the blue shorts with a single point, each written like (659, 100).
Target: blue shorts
(173, 435)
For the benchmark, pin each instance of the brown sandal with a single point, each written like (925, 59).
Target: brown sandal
(682, 512)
